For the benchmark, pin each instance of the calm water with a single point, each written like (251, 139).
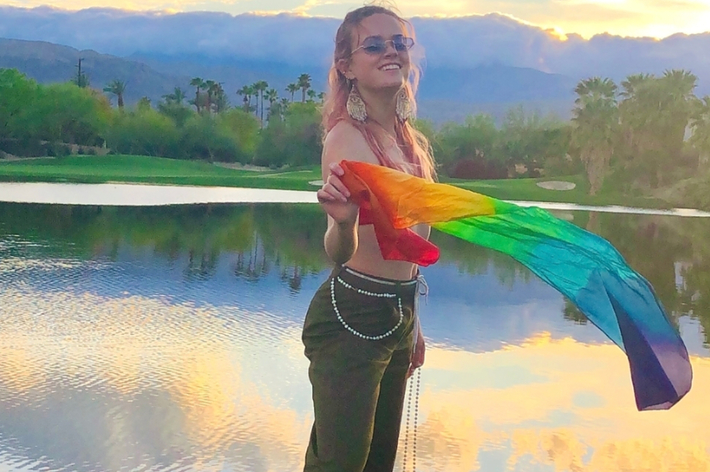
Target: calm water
(156, 339)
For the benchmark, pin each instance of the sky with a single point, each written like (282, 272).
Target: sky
(652, 18)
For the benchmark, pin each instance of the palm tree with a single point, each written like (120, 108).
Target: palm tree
(279, 108)
(199, 84)
(304, 83)
(321, 96)
(272, 96)
(210, 87)
(246, 92)
(654, 115)
(596, 120)
(679, 105)
(219, 99)
(632, 115)
(311, 95)
(117, 88)
(177, 97)
(292, 89)
(260, 87)
(700, 126)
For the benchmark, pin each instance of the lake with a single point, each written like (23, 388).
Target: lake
(167, 338)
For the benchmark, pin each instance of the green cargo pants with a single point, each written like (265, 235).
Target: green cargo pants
(358, 383)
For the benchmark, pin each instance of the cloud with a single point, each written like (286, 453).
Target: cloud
(453, 43)
(658, 18)
(211, 384)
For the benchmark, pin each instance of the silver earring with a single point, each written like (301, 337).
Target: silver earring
(403, 106)
(356, 106)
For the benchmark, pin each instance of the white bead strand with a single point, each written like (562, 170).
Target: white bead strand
(364, 292)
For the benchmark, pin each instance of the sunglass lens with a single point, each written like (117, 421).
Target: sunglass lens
(375, 48)
(403, 43)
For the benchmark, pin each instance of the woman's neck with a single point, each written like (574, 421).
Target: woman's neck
(381, 106)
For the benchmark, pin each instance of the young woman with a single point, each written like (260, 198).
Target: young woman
(360, 329)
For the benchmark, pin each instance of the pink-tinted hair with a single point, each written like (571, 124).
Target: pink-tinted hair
(413, 143)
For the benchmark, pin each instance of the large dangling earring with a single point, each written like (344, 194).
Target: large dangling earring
(356, 105)
(403, 106)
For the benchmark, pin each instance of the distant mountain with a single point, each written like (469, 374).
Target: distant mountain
(445, 94)
(47, 63)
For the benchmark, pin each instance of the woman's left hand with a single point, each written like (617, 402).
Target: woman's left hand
(417, 356)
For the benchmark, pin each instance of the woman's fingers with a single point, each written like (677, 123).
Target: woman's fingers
(334, 192)
(324, 196)
(338, 185)
(336, 169)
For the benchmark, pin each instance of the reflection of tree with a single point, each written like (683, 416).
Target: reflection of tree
(673, 254)
(651, 248)
(294, 280)
(476, 260)
(571, 312)
(261, 236)
(286, 240)
(201, 266)
(693, 272)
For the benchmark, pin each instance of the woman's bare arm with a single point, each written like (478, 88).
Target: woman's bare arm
(344, 142)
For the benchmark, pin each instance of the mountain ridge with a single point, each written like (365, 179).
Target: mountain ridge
(444, 94)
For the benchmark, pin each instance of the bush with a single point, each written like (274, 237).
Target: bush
(478, 168)
(296, 141)
(144, 132)
(206, 137)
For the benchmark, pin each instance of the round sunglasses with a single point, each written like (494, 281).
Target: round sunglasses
(376, 45)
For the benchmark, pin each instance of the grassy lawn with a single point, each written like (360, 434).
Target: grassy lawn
(528, 190)
(143, 169)
(157, 170)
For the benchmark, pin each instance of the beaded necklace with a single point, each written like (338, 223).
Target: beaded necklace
(412, 387)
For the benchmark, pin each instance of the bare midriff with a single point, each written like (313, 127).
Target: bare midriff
(368, 258)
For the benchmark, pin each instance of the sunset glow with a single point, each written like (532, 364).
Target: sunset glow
(654, 18)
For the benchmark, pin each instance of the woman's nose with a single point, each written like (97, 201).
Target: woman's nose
(390, 50)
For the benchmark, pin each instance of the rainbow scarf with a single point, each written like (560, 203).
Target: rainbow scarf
(584, 267)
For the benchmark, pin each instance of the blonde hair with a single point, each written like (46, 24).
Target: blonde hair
(413, 143)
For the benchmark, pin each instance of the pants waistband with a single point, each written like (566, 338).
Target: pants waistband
(375, 284)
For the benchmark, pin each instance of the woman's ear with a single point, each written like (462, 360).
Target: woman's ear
(343, 67)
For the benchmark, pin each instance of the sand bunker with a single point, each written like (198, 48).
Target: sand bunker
(556, 185)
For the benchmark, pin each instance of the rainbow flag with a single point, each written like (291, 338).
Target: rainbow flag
(584, 267)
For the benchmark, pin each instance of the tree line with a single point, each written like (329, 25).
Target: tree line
(649, 132)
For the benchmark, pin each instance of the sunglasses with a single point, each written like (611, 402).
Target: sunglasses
(376, 45)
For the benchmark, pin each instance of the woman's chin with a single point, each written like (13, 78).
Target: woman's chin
(389, 85)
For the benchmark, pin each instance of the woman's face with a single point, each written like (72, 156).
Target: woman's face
(387, 69)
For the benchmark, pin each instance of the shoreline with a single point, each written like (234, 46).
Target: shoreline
(146, 194)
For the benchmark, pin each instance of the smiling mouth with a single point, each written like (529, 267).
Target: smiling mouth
(387, 67)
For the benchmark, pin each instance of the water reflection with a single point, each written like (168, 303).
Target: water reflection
(169, 339)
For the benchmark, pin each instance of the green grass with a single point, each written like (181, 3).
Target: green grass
(528, 190)
(156, 170)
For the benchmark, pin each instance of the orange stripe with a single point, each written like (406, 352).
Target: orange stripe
(409, 200)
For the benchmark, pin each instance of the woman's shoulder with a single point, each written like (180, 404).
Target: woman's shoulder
(344, 132)
(347, 142)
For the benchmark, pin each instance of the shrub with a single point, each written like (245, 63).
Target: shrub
(478, 168)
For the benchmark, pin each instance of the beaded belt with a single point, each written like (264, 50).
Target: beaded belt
(421, 289)
(371, 294)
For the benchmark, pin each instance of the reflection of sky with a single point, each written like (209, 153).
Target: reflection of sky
(107, 365)
(473, 312)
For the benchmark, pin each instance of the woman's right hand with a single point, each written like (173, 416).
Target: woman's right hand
(334, 197)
